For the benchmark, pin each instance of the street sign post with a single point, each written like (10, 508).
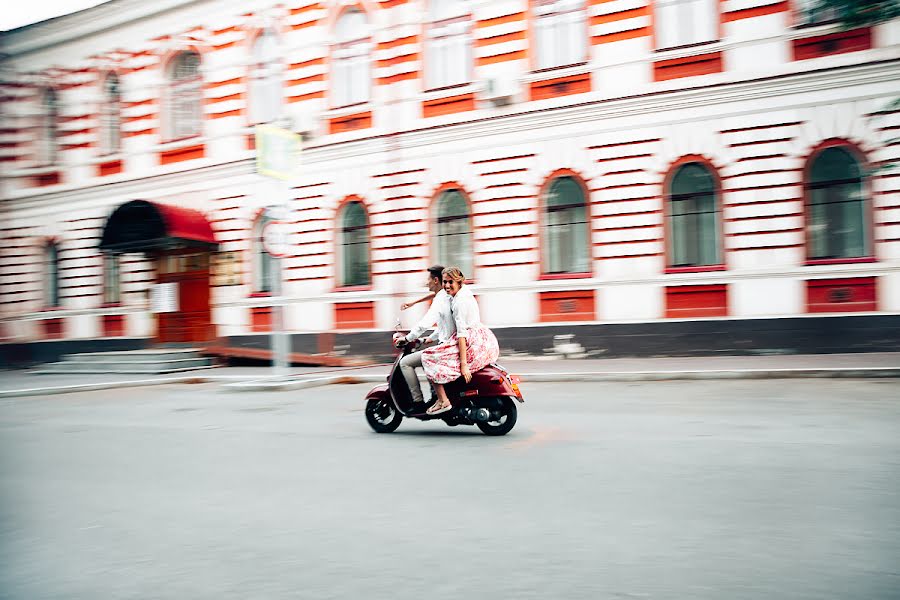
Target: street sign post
(278, 156)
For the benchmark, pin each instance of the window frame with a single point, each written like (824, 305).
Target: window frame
(112, 285)
(110, 117)
(868, 217)
(553, 14)
(174, 87)
(719, 227)
(435, 226)
(659, 45)
(439, 40)
(51, 276)
(340, 231)
(543, 232)
(261, 262)
(48, 150)
(345, 56)
(265, 77)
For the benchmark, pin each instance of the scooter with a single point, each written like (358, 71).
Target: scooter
(488, 401)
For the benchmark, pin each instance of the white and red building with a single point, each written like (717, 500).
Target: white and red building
(649, 175)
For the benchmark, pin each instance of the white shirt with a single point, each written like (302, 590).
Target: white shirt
(465, 311)
(438, 316)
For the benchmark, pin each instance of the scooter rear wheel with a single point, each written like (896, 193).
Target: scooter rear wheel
(504, 423)
(382, 415)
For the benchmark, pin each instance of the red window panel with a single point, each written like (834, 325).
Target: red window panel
(354, 315)
(560, 86)
(689, 66)
(350, 122)
(113, 325)
(858, 294)
(53, 329)
(833, 43)
(261, 319)
(110, 167)
(688, 301)
(573, 305)
(179, 154)
(447, 106)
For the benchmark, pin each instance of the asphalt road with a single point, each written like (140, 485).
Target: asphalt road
(674, 490)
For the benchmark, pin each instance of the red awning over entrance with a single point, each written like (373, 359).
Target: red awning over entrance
(187, 224)
(140, 225)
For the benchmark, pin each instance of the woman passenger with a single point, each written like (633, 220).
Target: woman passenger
(470, 349)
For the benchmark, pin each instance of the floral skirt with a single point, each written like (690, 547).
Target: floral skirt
(441, 362)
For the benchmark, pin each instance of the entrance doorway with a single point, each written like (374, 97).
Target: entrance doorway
(187, 270)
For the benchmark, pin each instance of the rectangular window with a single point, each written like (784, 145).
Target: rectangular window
(449, 55)
(112, 279)
(685, 22)
(560, 33)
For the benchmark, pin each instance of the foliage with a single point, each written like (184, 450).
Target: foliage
(857, 13)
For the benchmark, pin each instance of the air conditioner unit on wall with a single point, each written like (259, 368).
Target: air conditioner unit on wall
(500, 91)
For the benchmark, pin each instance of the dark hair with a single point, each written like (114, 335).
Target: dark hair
(435, 271)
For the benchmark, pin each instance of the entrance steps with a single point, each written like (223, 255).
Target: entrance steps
(148, 362)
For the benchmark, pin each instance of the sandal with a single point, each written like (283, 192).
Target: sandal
(436, 410)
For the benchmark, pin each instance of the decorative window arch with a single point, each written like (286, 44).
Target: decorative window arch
(448, 51)
(111, 115)
(48, 150)
(693, 216)
(51, 275)
(560, 33)
(565, 227)
(452, 241)
(263, 264)
(353, 245)
(112, 278)
(837, 207)
(266, 94)
(184, 115)
(351, 68)
(685, 22)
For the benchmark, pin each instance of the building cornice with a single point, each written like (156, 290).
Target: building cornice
(85, 23)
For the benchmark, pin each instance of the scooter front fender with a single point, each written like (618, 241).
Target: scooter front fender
(379, 392)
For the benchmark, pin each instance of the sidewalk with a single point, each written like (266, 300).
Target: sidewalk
(885, 364)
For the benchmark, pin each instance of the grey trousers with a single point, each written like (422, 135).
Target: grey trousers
(408, 366)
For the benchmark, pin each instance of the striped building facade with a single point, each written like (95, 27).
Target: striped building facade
(636, 163)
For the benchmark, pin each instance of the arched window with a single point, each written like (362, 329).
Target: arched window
(685, 22)
(448, 52)
(565, 224)
(693, 214)
(111, 116)
(837, 215)
(560, 32)
(185, 98)
(265, 79)
(354, 245)
(112, 279)
(48, 152)
(453, 232)
(350, 59)
(51, 275)
(263, 263)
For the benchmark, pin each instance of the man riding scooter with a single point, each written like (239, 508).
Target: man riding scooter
(439, 316)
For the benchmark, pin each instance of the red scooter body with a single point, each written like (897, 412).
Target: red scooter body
(487, 401)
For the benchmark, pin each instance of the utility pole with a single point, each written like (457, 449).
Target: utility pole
(278, 156)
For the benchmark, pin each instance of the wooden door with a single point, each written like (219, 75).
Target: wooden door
(192, 321)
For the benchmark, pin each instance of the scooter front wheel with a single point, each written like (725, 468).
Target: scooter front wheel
(382, 415)
(503, 421)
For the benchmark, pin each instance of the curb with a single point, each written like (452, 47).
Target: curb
(261, 385)
(575, 377)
